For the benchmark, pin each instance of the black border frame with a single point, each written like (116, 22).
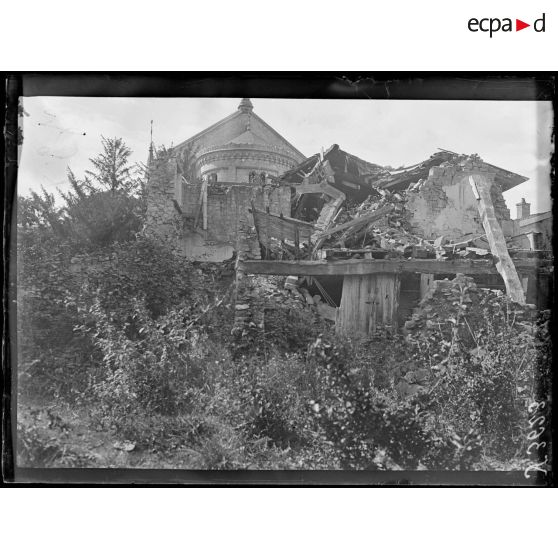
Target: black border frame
(510, 86)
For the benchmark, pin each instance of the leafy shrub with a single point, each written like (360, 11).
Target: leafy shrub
(152, 371)
(53, 359)
(484, 361)
(141, 269)
(292, 329)
(271, 395)
(101, 218)
(361, 421)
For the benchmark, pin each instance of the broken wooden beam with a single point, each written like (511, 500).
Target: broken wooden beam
(504, 264)
(329, 212)
(366, 267)
(365, 219)
(318, 188)
(281, 228)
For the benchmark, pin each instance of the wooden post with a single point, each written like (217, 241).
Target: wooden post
(204, 206)
(366, 301)
(530, 283)
(426, 280)
(504, 264)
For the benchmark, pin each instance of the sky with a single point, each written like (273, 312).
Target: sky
(62, 132)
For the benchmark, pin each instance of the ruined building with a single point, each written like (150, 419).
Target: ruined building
(380, 239)
(364, 242)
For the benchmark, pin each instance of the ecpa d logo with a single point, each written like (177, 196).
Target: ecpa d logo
(494, 24)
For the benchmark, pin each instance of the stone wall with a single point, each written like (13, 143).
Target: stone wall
(228, 216)
(163, 220)
(444, 203)
(227, 207)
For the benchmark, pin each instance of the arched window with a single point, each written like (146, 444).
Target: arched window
(252, 177)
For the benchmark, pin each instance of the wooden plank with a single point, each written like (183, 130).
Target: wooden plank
(366, 302)
(318, 188)
(365, 219)
(282, 228)
(366, 267)
(504, 264)
(296, 222)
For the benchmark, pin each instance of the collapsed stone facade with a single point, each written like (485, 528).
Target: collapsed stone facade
(444, 204)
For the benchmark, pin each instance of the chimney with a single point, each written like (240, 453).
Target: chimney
(523, 209)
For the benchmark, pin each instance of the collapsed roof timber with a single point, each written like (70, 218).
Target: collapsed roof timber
(387, 231)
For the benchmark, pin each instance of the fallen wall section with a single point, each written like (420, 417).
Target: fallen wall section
(444, 204)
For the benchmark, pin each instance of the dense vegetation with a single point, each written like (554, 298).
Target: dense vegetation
(126, 358)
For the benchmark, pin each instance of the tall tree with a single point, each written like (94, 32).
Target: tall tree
(111, 166)
(98, 217)
(103, 207)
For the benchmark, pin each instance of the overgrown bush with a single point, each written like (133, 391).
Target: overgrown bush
(52, 359)
(291, 329)
(482, 353)
(56, 292)
(367, 427)
(140, 269)
(150, 372)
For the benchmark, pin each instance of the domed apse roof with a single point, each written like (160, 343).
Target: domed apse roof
(247, 137)
(243, 126)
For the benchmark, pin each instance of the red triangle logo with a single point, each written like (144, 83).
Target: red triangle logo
(519, 25)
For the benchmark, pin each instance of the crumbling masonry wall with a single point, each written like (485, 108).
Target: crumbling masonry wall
(162, 219)
(229, 221)
(228, 207)
(444, 203)
(175, 213)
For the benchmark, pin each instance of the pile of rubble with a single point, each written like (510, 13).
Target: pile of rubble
(390, 232)
(458, 312)
(259, 300)
(374, 218)
(459, 303)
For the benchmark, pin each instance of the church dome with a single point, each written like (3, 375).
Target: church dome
(240, 146)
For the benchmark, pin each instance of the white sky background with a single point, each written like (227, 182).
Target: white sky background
(516, 135)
